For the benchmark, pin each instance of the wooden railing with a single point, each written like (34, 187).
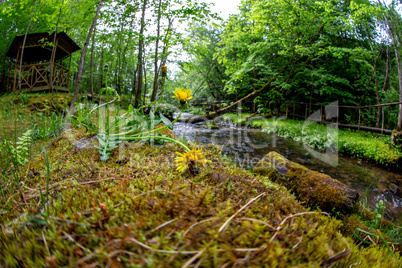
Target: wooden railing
(38, 75)
(322, 117)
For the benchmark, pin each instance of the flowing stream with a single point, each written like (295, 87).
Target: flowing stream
(247, 146)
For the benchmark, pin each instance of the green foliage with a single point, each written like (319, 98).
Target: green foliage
(202, 72)
(379, 210)
(310, 51)
(18, 154)
(45, 126)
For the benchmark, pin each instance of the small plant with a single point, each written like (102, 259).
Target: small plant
(137, 126)
(379, 211)
(44, 126)
(24, 98)
(18, 154)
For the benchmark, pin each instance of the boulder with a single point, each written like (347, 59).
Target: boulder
(311, 187)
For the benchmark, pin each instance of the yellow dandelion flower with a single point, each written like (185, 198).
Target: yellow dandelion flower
(190, 160)
(182, 95)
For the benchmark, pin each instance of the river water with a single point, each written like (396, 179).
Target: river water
(247, 146)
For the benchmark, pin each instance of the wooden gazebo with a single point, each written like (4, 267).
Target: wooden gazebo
(36, 66)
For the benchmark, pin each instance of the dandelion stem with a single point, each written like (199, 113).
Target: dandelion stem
(160, 99)
(156, 137)
(147, 132)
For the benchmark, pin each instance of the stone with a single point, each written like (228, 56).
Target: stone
(311, 187)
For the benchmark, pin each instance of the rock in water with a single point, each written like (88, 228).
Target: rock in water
(314, 188)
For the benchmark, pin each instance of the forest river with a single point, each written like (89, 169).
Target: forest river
(247, 146)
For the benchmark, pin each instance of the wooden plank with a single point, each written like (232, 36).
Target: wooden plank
(371, 129)
(42, 88)
(356, 107)
(382, 125)
(358, 129)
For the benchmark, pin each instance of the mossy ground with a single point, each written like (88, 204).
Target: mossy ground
(136, 210)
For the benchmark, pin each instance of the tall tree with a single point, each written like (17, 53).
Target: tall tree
(92, 63)
(83, 51)
(140, 56)
(393, 20)
(156, 72)
(23, 46)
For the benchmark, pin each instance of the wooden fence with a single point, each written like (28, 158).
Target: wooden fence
(36, 77)
(322, 117)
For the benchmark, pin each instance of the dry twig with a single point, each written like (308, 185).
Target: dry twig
(237, 213)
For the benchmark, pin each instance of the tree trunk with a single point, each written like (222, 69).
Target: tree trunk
(165, 48)
(23, 45)
(377, 124)
(101, 71)
(92, 63)
(392, 32)
(77, 84)
(145, 79)
(134, 87)
(53, 55)
(398, 62)
(156, 74)
(140, 63)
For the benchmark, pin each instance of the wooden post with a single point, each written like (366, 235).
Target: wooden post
(53, 75)
(294, 106)
(68, 73)
(16, 68)
(358, 129)
(321, 114)
(305, 118)
(287, 108)
(382, 126)
(10, 66)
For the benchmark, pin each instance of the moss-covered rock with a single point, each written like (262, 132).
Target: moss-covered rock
(314, 188)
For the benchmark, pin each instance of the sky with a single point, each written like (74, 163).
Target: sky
(224, 7)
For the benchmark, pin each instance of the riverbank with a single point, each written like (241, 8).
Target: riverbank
(62, 206)
(76, 210)
(364, 145)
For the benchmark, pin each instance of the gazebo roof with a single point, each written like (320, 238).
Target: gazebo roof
(35, 51)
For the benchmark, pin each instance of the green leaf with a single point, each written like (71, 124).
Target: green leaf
(166, 121)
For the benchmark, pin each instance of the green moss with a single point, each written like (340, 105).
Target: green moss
(142, 212)
(146, 200)
(314, 188)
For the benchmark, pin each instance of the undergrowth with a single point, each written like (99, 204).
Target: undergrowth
(373, 148)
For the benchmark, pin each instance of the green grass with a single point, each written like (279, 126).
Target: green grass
(368, 146)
